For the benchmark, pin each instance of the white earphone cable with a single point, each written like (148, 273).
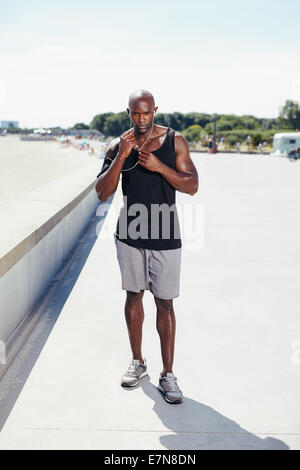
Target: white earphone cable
(140, 148)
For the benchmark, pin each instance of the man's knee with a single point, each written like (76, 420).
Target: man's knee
(164, 304)
(133, 297)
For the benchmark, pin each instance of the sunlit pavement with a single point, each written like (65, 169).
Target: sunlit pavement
(237, 353)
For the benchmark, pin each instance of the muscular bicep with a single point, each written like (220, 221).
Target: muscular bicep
(184, 163)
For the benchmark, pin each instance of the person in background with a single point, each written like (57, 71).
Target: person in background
(249, 143)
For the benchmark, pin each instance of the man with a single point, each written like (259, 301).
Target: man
(155, 162)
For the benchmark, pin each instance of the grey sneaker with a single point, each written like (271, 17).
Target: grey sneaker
(169, 387)
(134, 373)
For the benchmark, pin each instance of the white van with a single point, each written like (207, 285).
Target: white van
(284, 142)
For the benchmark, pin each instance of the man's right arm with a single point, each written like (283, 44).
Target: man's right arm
(107, 183)
(118, 151)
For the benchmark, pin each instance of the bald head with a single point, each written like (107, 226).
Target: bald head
(141, 111)
(141, 95)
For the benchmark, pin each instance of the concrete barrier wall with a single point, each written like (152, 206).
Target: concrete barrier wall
(40, 231)
(26, 281)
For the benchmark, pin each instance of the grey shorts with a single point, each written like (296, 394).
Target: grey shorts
(154, 270)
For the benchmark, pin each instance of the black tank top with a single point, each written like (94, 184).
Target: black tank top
(149, 218)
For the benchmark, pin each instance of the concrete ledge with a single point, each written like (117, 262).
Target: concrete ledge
(15, 254)
(36, 209)
(41, 229)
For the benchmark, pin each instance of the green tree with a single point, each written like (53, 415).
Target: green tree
(232, 139)
(290, 113)
(249, 122)
(224, 124)
(99, 120)
(80, 125)
(193, 133)
(116, 124)
(257, 138)
(269, 123)
(177, 121)
(162, 119)
(209, 128)
(229, 122)
(197, 118)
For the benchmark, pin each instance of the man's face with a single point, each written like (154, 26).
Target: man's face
(142, 115)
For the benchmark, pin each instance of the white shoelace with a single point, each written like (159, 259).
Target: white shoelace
(133, 366)
(172, 383)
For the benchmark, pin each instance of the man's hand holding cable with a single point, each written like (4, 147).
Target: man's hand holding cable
(149, 161)
(127, 142)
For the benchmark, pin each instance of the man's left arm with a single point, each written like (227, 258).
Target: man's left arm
(185, 177)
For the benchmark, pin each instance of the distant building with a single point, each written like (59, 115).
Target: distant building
(86, 132)
(7, 124)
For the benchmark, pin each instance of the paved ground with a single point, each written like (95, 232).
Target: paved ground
(27, 165)
(37, 180)
(238, 332)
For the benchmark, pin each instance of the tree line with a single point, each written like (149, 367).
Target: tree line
(196, 125)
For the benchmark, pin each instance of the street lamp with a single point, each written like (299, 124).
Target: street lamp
(214, 120)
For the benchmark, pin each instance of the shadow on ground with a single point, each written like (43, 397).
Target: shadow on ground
(197, 426)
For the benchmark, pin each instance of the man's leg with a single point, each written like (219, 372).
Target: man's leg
(134, 314)
(166, 325)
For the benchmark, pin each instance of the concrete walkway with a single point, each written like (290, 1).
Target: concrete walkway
(237, 355)
(29, 166)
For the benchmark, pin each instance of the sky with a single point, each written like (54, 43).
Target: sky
(66, 61)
